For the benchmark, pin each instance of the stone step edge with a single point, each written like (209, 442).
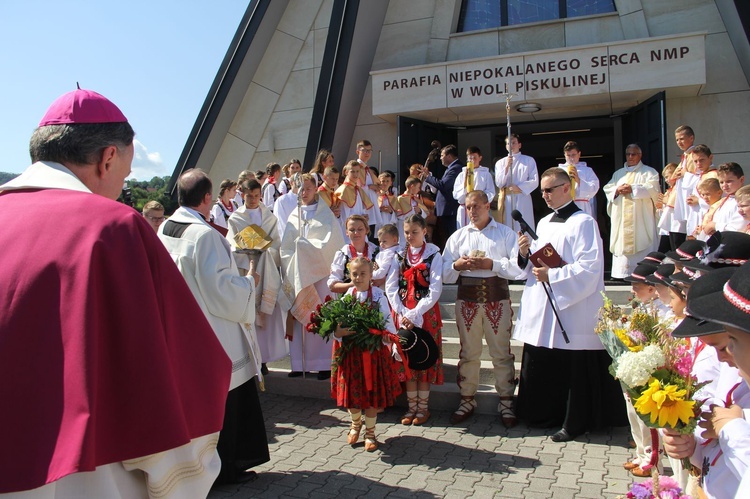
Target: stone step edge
(445, 397)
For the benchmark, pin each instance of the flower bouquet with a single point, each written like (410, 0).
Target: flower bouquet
(364, 318)
(655, 369)
(661, 487)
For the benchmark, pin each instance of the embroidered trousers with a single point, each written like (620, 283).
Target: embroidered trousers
(491, 321)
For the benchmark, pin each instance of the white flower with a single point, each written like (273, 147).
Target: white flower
(635, 368)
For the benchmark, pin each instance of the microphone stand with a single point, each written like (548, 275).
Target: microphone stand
(547, 288)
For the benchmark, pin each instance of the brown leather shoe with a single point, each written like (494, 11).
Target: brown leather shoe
(353, 436)
(629, 465)
(421, 417)
(507, 416)
(465, 410)
(371, 444)
(640, 472)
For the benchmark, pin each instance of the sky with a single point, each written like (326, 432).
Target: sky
(155, 59)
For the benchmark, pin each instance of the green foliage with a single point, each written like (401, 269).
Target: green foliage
(153, 190)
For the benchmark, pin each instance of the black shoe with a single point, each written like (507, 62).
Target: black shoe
(295, 374)
(562, 436)
(263, 369)
(323, 375)
(236, 478)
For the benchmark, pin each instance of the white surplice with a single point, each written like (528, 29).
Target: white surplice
(586, 188)
(524, 175)
(482, 182)
(576, 286)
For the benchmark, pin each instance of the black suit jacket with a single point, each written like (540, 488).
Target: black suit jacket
(445, 204)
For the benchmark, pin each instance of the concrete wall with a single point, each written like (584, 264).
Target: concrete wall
(272, 123)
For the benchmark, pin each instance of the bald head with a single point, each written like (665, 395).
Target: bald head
(192, 188)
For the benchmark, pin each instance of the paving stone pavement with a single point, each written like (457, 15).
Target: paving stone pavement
(479, 458)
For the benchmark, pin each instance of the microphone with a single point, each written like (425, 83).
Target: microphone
(524, 226)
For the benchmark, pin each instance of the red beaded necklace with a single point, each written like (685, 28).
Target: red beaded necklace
(415, 259)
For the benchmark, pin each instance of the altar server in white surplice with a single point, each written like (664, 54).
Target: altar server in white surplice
(269, 319)
(306, 256)
(565, 384)
(631, 205)
(585, 181)
(482, 181)
(515, 185)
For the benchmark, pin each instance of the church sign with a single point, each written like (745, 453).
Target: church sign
(653, 63)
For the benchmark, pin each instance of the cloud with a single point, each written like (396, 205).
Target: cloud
(147, 165)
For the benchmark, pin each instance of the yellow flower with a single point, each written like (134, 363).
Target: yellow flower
(627, 341)
(667, 404)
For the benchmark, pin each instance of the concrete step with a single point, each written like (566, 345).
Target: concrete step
(444, 397)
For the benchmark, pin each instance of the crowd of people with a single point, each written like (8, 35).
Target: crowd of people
(154, 334)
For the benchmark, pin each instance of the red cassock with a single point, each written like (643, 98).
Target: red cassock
(104, 353)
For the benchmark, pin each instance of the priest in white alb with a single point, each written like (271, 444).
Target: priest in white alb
(269, 318)
(564, 384)
(631, 205)
(310, 241)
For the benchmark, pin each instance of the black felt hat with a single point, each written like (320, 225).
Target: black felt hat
(722, 249)
(640, 273)
(686, 252)
(722, 296)
(661, 275)
(653, 258)
(420, 348)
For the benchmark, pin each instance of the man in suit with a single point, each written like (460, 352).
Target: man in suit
(446, 206)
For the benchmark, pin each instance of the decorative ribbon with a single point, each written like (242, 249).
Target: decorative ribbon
(654, 450)
(413, 276)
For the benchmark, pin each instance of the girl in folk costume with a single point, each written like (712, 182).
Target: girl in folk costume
(413, 289)
(356, 229)
(410, 203)
(353, 195)
(366, 380)
(665, 208)
(310, 243)
(224, 206)
(387, 202)
(323, 161)
(270, 190)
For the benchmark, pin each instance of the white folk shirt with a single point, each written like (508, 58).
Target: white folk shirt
(482, 182)
(497, 241)
(586, 188)
(633, 215)
(523, 174)
(416, 314)
(577, 286)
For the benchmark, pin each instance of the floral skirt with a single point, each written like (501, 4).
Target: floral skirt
(432, 323)
(352, 388)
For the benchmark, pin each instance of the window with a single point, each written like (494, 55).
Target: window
(483, 14)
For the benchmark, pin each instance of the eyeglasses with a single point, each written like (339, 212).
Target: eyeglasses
(549, 190)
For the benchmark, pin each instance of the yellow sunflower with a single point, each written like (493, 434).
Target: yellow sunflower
(666, 404)
(627, 341)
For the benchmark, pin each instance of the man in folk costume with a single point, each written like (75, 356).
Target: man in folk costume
(565, 383)
(307, 250)
(674, 217)
(585, 183)
(631, 204)
(515, 184)
(482, 257)
(473, 177)
(112, 378)
(269, 319)
(354, 196)
(205, 260)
